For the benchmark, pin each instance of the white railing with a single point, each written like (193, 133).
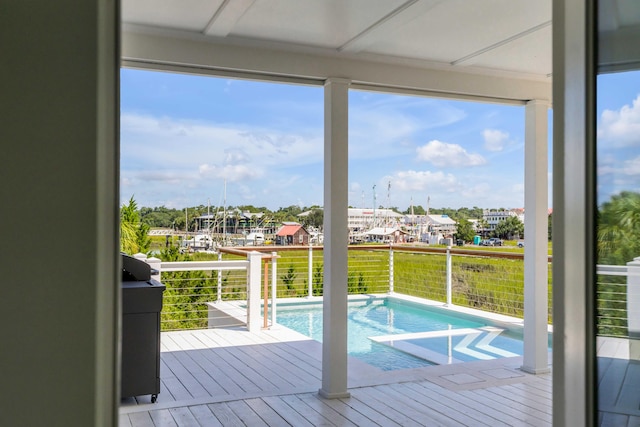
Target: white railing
(188, 298)
(483, 280)
(618, 300)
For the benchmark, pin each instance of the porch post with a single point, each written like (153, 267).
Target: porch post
(253, 291)
(633, 307)
(334, 334)
(536, 302)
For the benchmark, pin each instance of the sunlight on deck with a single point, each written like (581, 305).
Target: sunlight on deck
(233, 377)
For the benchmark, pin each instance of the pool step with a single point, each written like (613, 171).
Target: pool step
(471, 335)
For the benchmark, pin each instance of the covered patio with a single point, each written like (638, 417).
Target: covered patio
(421, 48)
(61, 133)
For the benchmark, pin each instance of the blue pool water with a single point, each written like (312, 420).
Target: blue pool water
(421, 336)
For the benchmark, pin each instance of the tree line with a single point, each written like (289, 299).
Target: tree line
(164, 217)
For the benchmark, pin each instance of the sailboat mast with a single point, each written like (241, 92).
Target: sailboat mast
(224, 212)
(388, 219)
(374, 206)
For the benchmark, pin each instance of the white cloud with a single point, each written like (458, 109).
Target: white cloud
(495, 140)
(621, 128)
(421, 181)
(629, 167)
(187, 143)
(517, 188)
(632, 167)
(190, 159)
(383, 129)
(477, 191)
(442, 154)
(232, 173)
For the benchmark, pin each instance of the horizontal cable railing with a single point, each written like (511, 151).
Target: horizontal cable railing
(368, 270)
(192, 285)
(611, 301)
(490, 284)
(489, 281)
(484, 280)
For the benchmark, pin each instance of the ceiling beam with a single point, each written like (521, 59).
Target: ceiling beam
(501, 43)
(400, 16)
(197, 55)
(226, 17)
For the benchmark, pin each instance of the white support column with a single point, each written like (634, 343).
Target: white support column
(633, 307)
(449, 277)
(536, 302)
(391, 274)
(334, 334)
(254, 273)
(219, 280)
(274, 286)
(310, 272)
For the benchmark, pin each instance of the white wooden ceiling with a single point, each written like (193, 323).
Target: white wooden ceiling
(510, 39)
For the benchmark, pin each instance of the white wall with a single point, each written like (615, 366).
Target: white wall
(58, 187)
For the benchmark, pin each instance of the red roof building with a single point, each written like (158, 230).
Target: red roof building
(292, 233)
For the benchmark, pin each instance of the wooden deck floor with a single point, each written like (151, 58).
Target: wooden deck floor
(231, 377)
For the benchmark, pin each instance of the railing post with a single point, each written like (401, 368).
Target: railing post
(390, 269)
(253, 291)
(219, 279)
(448, 275)
(274, 286)
(633, 307)
(265, 296)
(310, 258)
(155, 264)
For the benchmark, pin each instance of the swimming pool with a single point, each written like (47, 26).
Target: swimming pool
(393, 334)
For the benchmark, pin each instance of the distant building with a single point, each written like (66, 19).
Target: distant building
(494, 217)
(386, 235)
(361, 220)
(235, 221)
(292, 233)
(442, 224)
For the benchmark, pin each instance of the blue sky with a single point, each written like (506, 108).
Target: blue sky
(618, 133)
(183, 135)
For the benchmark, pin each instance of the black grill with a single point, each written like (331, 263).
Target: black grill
(141, 306)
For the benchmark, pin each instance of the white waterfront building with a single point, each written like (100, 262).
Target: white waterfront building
(493, 218)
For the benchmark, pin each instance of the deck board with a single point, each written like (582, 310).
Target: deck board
(226, 415)
(246, 414)
(389, 405)
(439, 403)
(183, 417)
(307, 411)
(205, 417)
(357, 412)
(270, 416)
(455, 401)
(331, 414)
(162, 418)
(141, 419)
(271, 378)
(290, 415)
